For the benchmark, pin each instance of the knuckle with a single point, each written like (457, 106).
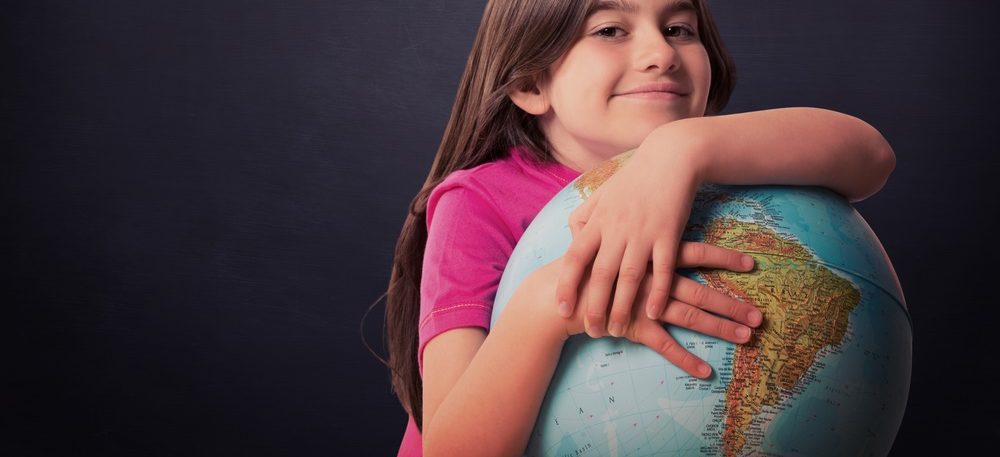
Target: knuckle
(630, 274)
(698, 251)
(595, 314)
(573, 256)
(700, 295)
(602, 272)
(720, 328)
(690, 317)
(736, 310)
(667, 346)
(688, 361)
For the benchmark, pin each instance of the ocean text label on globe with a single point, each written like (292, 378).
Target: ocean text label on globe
(827, 373)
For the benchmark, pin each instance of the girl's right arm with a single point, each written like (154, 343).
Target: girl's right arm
(482, 392)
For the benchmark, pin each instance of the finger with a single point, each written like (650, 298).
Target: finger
(602, 277)
(709, 299)
(653, 335)
(579, 217)
(630, 276)
(663, 271)
(693, 254)
(691, 317)
(575, 261)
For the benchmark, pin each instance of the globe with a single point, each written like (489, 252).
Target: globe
(827, 373)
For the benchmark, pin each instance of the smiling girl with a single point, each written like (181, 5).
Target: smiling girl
(551, 89)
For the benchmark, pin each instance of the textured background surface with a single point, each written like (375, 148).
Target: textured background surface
(201, 200)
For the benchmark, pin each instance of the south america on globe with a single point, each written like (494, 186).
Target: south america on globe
(826, 374)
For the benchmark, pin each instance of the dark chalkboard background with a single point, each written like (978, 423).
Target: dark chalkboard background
(201, 200)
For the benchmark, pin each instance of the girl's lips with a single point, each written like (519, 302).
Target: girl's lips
(653, 95)
(655, 91)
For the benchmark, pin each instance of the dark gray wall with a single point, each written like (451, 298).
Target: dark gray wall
(201, 200)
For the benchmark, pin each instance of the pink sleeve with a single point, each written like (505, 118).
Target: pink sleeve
(468, 244)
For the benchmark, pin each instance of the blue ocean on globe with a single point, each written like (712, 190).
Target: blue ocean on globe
(827, 374)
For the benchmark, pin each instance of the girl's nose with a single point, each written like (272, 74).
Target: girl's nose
(654, 53)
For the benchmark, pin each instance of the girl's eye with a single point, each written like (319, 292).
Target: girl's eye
(610, 32)
(679, 31)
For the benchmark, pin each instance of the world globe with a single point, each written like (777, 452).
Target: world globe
(827, 373)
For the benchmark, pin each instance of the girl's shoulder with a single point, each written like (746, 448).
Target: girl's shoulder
(486, 174)
(476, 187)
(516, 170)
(515, 186)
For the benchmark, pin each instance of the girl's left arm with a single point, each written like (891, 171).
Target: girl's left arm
(794, 146)
(640, 213)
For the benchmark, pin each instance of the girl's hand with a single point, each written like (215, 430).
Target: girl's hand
(691, 315)
(693, 306)
(637, 215)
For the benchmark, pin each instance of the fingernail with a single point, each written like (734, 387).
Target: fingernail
(704, 370)
(743, 332)
(615, 329)
(652, 313)
(754, 317)
(564, 309)
(747, 262)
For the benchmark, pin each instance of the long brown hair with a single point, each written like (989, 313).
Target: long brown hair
(518, 40)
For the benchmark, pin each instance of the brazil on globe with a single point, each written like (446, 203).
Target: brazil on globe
(827, 373)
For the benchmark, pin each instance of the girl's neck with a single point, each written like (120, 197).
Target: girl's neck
(577, 153)
(580, 158)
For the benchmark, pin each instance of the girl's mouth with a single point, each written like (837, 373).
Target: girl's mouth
(653, 95)
(655, 91)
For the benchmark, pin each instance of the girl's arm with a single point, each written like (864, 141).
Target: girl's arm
(795, 146)
(482, 392)
(639, 214)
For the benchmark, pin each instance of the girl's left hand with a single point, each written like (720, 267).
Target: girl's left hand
(638, 214)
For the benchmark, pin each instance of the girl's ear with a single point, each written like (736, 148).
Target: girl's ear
(529, 97)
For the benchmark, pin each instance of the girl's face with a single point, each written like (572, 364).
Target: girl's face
(638, 64)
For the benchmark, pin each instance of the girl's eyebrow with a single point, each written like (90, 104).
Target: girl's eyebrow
(626, 6)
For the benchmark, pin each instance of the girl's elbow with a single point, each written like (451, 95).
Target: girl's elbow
(877, 171)
(884, 163)
(881, 162)
(887, 157)
(883, 158)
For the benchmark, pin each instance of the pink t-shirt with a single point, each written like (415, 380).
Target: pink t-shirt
(474, 219)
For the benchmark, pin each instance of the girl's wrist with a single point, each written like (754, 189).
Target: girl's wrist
(681, 144)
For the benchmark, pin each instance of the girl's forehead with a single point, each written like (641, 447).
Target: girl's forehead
(634, 6)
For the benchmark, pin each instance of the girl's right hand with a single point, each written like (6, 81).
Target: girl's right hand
(691, 305)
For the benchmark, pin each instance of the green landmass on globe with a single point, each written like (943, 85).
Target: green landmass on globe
(827, 373)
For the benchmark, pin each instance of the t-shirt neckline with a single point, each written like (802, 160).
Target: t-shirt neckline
(558, 170)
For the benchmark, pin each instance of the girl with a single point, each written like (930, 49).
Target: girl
(551, 89)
